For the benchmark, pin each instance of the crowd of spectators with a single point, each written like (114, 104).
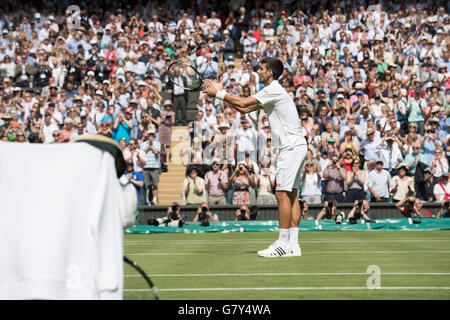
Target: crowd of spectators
(371, 83)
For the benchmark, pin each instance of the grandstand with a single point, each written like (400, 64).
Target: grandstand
(371, 84)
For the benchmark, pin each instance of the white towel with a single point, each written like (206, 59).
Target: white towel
(61, 233)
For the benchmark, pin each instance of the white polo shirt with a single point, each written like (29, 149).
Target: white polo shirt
(282, 114)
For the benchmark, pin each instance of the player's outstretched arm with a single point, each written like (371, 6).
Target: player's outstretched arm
(241, 104)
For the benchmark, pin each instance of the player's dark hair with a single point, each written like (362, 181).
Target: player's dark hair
(275, 65)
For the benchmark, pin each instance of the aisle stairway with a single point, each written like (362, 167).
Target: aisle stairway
(170, 183)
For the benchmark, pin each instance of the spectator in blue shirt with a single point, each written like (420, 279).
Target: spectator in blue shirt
(135, 178)
(413, 158)
(122, 125)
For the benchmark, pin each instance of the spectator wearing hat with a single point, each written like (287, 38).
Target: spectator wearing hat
(227, 47)
(425, 186)
(350, 143)
(369, 147)
(152, 149)
(165, 129)
(442, 188)
(378, 183)
(390, 153)
(401, 185)
(194, 191)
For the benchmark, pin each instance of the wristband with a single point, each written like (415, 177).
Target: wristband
(221, 94)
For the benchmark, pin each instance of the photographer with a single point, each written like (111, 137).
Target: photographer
(303, 208)
(334, 177)
(328, 211)
(243, 213)
(204, 216)
(444, 212)
(173, 218)
(410, 207)
(359, 211)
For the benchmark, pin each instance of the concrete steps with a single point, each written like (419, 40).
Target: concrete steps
(171, 182)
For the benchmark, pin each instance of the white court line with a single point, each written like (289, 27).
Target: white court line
(289, 274)
(309, 252)
(267, 240)
(288, 288)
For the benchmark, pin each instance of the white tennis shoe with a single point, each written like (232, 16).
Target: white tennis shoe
(294, 251)
(276, 249)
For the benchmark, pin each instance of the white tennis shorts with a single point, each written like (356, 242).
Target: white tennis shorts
(289, 164)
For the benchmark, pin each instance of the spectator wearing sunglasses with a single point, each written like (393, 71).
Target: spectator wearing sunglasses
(414, 158)
(216, 184)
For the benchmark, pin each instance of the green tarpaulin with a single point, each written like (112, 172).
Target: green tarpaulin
(305, 225)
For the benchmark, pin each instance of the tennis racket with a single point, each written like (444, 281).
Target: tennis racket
(142, 272)
(185, 76)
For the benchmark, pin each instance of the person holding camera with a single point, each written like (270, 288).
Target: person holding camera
(359, 211)
(265, 182)
(243, 213)
(410, 207)
(204, 216)
(173, 218)
(444, 212)
(216, 182)
(241, 181)
(328, 211)
(334, 177)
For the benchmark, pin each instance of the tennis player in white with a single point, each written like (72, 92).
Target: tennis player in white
(286, 134)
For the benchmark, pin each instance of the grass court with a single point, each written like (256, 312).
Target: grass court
(362, 265)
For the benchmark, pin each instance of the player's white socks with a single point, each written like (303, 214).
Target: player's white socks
(293, 237)
(284, 236)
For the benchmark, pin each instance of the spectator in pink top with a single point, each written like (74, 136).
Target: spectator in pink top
(216, 182)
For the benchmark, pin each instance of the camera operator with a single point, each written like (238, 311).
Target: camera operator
(328, 211)
(303, 208)
(410, 207)
(173, 218)
(359, 211)
(204, 216)
(243, 213)
(444, 212)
